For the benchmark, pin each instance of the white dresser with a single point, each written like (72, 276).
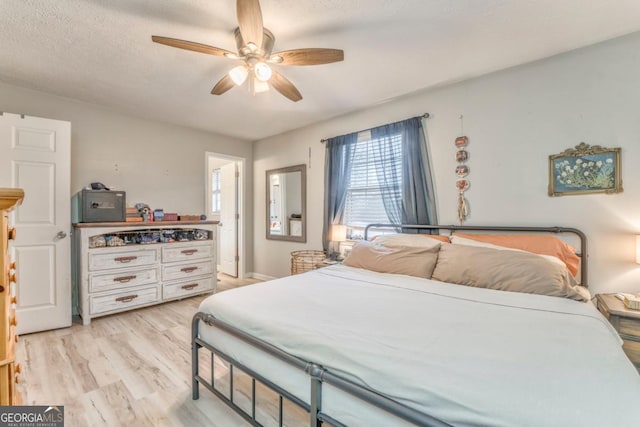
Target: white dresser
(121, 266)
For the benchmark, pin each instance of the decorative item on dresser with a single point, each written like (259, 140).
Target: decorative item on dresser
(121, 266)
(9, 370)
(625, 321)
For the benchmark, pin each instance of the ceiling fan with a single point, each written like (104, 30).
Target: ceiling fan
(255, 45)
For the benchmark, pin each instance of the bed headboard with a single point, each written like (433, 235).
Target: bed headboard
(542, 230)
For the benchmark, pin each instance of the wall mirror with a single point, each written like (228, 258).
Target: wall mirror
(286, 203)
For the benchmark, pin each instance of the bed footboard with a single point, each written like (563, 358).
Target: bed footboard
(317, 376)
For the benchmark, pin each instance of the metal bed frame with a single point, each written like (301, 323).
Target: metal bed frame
(318, 375)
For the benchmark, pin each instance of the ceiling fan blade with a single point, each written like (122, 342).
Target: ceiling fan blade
(223, 85)
(250, 21)
(196, 47)
(310, 56)
(284, 86)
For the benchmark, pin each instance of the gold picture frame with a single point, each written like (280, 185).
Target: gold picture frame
(585, 169)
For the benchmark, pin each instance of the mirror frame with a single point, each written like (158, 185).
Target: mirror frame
(303, 187)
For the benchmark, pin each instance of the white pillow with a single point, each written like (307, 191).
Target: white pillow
(469, 242)
(407, 240)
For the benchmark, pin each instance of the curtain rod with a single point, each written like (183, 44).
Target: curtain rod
(424, 116)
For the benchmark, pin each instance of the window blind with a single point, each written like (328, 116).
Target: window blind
(373, 158)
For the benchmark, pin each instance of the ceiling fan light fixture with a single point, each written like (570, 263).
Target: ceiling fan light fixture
(262, 71)
(239, 74)
(255, 49)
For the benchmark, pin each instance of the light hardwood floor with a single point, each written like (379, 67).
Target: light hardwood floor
(128, 369)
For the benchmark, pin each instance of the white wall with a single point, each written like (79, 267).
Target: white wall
(160, 164)
(514, 120)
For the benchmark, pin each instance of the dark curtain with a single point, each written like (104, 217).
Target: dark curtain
(414, 201)
(339, 151)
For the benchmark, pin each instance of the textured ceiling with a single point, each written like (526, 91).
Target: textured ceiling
(100, 51)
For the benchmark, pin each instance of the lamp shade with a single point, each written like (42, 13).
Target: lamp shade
(239, 74)
(262, 71)
(338, 233)
(260, 86)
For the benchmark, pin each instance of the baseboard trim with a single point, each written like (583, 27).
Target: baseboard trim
(261, 276)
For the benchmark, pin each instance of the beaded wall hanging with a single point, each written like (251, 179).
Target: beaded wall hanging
(462, 171)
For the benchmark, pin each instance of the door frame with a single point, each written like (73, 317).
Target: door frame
(241, 191)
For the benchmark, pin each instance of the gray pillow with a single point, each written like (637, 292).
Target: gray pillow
(507, 271)
(412, 261)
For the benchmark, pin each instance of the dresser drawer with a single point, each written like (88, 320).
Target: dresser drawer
(632, 350)
(119, 259)
(185, 253)
(190, 287)
(126, 299)
(122, 279)
(630, 327)
(185, 271)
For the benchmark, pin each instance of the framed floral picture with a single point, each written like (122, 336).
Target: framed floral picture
(585, 169)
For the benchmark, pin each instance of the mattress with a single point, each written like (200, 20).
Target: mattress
(467, 356)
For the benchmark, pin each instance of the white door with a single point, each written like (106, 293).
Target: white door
(228, 227)
(35, 156)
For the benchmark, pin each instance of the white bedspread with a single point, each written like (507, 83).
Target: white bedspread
(467, 356)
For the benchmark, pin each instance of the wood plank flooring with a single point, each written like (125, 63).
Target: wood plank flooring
(129, 369)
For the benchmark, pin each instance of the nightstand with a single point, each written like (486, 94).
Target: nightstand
(625, 321)
(325, 263)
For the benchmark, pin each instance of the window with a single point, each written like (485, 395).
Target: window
(379, 175)
(215, 191)
(376, 174)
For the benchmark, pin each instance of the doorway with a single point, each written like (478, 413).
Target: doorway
(224, 183)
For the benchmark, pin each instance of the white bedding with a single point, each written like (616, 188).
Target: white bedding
(465, 355)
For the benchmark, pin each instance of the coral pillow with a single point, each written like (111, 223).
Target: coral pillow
(543, 245)
(410, 240)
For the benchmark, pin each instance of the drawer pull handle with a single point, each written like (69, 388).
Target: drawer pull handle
(124, 279)
(189, 251)
(188, 269)
(125, 259)
(128, 298)
(189, 287)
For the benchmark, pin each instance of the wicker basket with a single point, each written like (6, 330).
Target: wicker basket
(302, 261)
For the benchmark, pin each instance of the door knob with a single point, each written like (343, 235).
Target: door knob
(61, 235)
